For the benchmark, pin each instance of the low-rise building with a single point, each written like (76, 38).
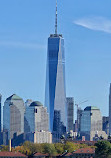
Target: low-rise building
(80, 153)
(40, 155)
(39, 137)
(84, 152)
(43, 137)
(6, 154)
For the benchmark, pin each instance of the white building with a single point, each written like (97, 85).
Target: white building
(43, 137)
(39, 137)
(13, 115)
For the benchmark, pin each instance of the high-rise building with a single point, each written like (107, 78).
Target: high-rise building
(75, 126)
(70, 113)
(91, 123)
(0, 113)
(36, 118)
(55, 94)
(28, 102)
(13, 115)
(110, 110)
(79, 114)
(106, 124)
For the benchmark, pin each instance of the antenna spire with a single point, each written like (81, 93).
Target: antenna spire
(56, 20)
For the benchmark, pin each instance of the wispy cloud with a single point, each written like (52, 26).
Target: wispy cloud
(21, 45)
(95, 23)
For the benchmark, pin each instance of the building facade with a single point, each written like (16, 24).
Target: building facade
(106, 124)
(43, 137)
(0, 113)
(36, 118)
(13, 115)
(28, 102)
(110, 110)
(55, 93)
(91, 123)
(79, 114)
(70, 113)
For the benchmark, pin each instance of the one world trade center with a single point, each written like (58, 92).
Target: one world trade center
(55, 92)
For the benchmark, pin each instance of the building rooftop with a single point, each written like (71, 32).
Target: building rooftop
(12, 154)
(79, 151)
(40, 154)
(55, 35)
(85, 151)
(36, 103)
(14, 97)
(89, 108)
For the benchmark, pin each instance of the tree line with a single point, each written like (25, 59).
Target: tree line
(102, 148)
(29, 148)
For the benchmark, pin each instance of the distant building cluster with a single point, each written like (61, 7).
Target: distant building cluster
(23, 122)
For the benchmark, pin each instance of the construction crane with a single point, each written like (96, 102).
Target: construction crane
(77, 113)
(80, 103)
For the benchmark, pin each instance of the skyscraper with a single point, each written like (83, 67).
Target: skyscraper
(13, 115)
(105, 121)
(110, 110)
(55, 94)
(28, 102)
(79, 114)
(91, 123)
(36, 118)
(70, 113)
(0, 113)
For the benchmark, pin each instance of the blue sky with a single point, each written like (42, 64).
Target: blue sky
(25, 26)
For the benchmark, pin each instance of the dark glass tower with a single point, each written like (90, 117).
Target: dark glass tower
(55, 95)
(70, 113)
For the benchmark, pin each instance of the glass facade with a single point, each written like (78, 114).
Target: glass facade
(91, 124)
(110, 110)
(91, 119)
(13, 115)
(0, 113)
(86, 121)
(55, 95)
(70, 113)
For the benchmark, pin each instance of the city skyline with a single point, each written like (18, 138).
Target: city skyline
(23, 48)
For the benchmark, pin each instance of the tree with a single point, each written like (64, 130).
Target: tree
(83, 146)
(103, 149)
(39, 148)
(4, 148)
(70, 147)
(27, 145)
(59, 148)
(27, 148)
(23, 150)
(49, 149)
